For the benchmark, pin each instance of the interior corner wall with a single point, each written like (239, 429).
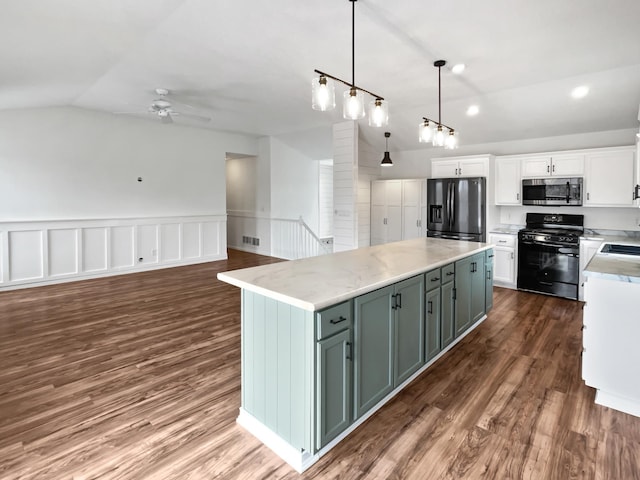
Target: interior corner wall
(294, 184)
(368, 169)
(71, 163)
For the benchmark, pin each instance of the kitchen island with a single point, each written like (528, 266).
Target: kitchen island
(326, 341)
(611, 328)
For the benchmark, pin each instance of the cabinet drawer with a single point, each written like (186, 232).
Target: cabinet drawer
(448, 271)
(433, 279)
(503, 240)
(334, 319)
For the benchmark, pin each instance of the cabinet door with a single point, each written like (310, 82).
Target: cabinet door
(378, 224)
(462, 311)
(394, 223)
(567, 165)
(536, 166)
(432, 327)
(334, 386)
(504, 269)
(411, 209)
(379, 192)
(373, 341)
(473, 167)
(409, 328)
(488, 287)
(444, 168)
(609, 179)
(508, 181)
(447, 318)
(478, 287)
(411, 222)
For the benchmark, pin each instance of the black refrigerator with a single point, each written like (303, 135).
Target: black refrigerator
(456, 208)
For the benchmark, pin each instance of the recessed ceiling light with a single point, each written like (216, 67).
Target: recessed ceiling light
(580, 92)
(458, 68)
(472, 110)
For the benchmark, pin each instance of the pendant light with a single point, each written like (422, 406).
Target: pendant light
(439, 134)
(353, 107)
(386, 160)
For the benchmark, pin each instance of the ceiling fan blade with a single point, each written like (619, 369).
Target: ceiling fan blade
(200, 118)
(139, 112)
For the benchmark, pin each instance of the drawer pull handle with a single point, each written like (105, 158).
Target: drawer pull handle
(450, 273)
(502, 241)
(340, 319)
(435, 279)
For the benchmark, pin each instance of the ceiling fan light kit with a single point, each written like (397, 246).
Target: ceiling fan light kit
(163, 109)
(353, 107)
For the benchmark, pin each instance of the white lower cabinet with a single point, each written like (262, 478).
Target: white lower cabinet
(588, 248)
(505, 259)
(610, 353)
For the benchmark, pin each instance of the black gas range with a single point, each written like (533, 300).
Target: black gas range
(549, 254)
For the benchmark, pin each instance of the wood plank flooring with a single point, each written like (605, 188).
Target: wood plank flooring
(138, 377)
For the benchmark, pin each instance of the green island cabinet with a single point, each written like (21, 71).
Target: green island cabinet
(389, 325)
(470, 291)
(307, 376)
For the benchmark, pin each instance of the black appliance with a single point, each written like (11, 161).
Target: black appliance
(456, 208)
(549, 254)
(552, 191)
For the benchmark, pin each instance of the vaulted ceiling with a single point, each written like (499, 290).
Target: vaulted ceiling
(248, 65)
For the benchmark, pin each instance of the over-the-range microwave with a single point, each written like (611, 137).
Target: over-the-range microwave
(552, 191)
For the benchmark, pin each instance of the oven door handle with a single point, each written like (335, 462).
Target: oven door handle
(548, 244)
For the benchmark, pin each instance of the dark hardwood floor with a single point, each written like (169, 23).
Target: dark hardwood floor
(138, 377)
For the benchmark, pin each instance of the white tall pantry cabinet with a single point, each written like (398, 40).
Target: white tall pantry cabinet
(398, 210)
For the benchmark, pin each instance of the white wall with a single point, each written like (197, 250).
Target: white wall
(294, 184)
(70, 163)
(368, 169)
(71, 205)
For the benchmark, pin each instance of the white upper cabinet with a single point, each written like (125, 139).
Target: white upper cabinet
(460, 167)
(560, 165)
(610, 178)
(508, 181)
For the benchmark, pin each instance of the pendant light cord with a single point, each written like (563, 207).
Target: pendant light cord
(439, 98)
(353, 43)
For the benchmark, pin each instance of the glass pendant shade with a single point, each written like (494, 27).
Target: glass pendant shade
(323, 93)
(353, 106)
(439, 137)
(425, 132)
(378, 113)
(452, 140)
(386, 160)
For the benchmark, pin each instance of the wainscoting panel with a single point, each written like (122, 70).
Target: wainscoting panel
(191, 240)
(210, 238)
(42, 252)
(147, 244)
(63, 252)
(94, 249)
(122, 245)
(26, 255)
(170, 242)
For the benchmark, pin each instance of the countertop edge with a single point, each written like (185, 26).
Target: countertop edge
(313, 307)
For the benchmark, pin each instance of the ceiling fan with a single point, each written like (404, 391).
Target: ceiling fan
(163, 108)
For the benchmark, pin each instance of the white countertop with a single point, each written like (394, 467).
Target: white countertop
(623, 268)
(318, 282)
